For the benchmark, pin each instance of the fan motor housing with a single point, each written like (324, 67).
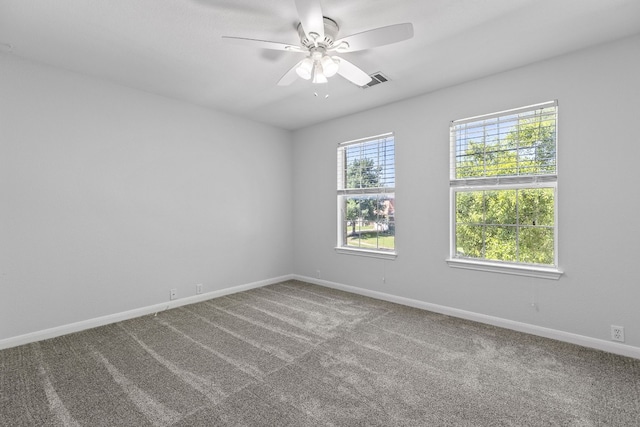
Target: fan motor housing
(330, 33)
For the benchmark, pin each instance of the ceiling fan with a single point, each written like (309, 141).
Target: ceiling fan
(318, 40)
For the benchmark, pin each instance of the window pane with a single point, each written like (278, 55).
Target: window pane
(369, 221)
(503, 162)
(500, 153)
(500, 243)
(470, 241)
(536, 245)
(500, 207)
(470, 160)
(536, 206)
(469, 207)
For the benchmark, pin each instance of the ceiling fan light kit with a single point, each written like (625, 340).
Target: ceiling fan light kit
(318, 65)
(318, 39)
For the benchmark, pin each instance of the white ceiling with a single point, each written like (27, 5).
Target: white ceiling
(174, 47)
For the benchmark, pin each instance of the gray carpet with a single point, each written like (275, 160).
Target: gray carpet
(295, 354)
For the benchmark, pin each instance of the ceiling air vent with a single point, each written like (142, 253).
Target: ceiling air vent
(376, 79)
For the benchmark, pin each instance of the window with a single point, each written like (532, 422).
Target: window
(366, 196)
(503, 192)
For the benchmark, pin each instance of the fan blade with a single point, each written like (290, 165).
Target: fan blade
(290, 76)
(263, 44)
(373, 38)
(311, 18)
(352, 73)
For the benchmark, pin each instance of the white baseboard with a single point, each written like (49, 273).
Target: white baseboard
(125, 315)
(599, 344)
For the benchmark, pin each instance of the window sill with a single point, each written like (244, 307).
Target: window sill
(518, 270)
(367, 253)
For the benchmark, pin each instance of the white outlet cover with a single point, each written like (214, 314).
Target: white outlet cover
(617, 333)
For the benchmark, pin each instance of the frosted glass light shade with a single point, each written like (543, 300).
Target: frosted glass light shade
(329, 66)
(318, 74)
(305, 68)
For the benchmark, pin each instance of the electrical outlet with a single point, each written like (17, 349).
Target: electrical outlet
(317, 274)
(198, 288)
(617, 333)
(173, 293)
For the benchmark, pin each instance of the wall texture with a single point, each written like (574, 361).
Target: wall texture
(111, 197)
(598, 92)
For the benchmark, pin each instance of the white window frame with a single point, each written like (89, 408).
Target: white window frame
(343, 193)
(501, 183)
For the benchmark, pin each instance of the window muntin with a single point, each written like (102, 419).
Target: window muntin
(503, 187)
(366, 194)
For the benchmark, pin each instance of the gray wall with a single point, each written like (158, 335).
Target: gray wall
(599, 235)
(110, 197)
